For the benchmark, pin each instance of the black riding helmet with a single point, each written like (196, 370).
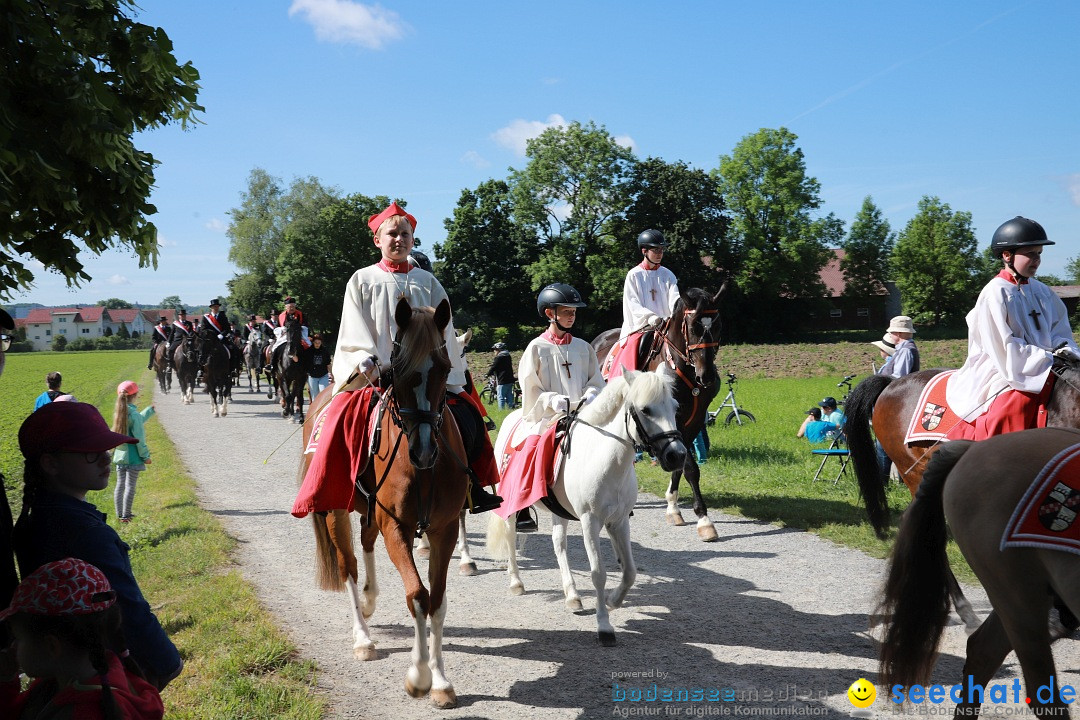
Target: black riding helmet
(651, 239)
(558, 294)
(421, 260)
(1017, 233)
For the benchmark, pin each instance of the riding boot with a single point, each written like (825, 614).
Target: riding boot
(482, 500)
(525, 521)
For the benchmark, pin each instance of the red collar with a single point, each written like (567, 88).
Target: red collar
(393, 267)
(555, 340)
(645, 265)
(1007, 276)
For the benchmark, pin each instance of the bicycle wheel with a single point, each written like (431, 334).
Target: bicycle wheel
(744, 416)
(487, 395)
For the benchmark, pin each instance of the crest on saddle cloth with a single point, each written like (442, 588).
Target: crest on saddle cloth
(1046, 516)
(932, 419)
(931, 416)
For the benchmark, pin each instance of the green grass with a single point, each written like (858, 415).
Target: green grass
(237, 663)
(762, 471)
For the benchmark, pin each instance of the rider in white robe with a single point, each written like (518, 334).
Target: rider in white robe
(650, 290)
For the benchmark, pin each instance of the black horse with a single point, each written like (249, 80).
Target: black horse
(217, 374)
(289, 372)
(186, 362)
(687, 341)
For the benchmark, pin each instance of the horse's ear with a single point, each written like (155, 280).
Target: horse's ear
(466, 338)
(722, 290)
(442, 315)
(628, 375)
(685, 300)
(403, 313)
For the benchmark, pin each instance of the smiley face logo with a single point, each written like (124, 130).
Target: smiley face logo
(862, 693)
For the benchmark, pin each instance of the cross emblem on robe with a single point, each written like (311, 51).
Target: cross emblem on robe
(1035, 316)
(567, 365)
(652, 294)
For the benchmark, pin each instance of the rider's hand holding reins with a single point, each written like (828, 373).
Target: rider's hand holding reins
(1066, 353)
(589, 396)
(561, 404)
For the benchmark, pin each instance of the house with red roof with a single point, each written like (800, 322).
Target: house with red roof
(846, 313)
(43, 325)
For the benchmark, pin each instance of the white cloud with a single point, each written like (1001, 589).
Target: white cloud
(626, 141)
(1072, 186)
(345, 21)
(216, 225)
(118, 280)
(475, 159)
(518, 132)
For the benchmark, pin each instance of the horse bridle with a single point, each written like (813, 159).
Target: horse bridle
(650, 441)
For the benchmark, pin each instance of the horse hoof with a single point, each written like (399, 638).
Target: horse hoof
(574, 604)
(518, 589)
(423, 552)
(675, 518)
(413, 690)
(444, 699)
(365, 653)
(606, 638)
(468, 569)
(707, 533)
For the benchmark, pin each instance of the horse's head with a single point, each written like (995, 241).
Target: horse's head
(293, 335)
(421, 364)
(190, 348)
(697, 319)
(1063, 407)
(652, 407)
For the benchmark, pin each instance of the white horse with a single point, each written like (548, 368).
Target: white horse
(597, 483)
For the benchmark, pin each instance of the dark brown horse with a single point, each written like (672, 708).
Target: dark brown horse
(890, 404)
(161, 367)
(687, 342)
(416, 481)
(976, 487)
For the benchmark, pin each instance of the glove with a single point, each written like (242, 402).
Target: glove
(590, 395)
(655, 320)
(220, 336)
(368, 366)
(561, 404)
(1067, 353)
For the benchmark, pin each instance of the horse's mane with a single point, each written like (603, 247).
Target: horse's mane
(648, 388)
(420, 340)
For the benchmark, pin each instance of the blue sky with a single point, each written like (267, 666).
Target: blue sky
(974, 102)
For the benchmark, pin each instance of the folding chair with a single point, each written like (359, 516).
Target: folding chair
(833, 451)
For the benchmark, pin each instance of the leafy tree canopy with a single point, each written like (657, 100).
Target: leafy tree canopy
(114, 304)
(78, 81)
(868, 248)
(936, 263)
(171, 301)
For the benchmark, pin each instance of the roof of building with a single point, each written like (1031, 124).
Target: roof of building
(1066, 291)
(833, 276)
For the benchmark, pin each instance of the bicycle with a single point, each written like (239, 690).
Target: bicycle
(737, 413)
(846, 384)
(489, 394)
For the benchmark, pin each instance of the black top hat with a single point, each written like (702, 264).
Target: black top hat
(214, 302)
(181, 311)
(290, 299)
(163, 319)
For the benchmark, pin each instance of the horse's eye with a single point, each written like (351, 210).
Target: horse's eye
(647, 411)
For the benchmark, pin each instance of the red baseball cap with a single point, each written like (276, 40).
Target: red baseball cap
(375, 221)
(62, 587)
(67, 427)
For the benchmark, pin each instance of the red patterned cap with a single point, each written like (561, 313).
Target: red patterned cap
(67, 427)
(64, 587)
(376, 221)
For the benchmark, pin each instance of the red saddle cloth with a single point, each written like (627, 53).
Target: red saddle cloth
(932, 419)
(1046, 516)
(529, 471)
(622, 356)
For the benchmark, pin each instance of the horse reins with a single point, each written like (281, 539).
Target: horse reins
(695, 386)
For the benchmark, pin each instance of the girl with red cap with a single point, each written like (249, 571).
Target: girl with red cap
(65, 621)
(364, 344)
(130, 459)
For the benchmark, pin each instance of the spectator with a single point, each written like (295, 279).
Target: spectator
(66, 447)
(815, 429)
(65, 620)
(905, 356)
(830, 413)
(502, 368)
(887, 346)
(130, 459)
(53, 391)
(317, 359)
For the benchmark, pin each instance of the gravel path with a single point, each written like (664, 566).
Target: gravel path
(773, 618)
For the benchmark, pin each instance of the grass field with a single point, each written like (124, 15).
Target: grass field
(237, 664)
(240, 666)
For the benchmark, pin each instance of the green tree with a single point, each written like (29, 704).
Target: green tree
(780, 246)
(171, 301)
(483, 260)
(936, 263)
(114, 304)
(322, 251)
(123, 332)
(574, 184)
(59, 343)
(79, 80)
(867, 249)
(1072, 270)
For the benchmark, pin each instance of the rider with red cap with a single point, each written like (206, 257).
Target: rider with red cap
(1015, 330)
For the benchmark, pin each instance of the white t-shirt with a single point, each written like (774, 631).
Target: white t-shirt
(647, 294)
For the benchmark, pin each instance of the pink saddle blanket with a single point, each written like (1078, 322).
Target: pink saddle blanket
(1046, 516)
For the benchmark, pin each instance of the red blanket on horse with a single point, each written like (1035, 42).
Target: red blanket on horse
(1046, 516)
(529, 471)
(622, 357)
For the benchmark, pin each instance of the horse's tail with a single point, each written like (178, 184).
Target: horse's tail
(916, 593)
(860, 409)
(327, 572)
(498, 538)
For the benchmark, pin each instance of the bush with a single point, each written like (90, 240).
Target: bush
(59, 343)
(21, 346)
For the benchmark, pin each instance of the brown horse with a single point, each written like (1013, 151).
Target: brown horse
(890, 404)
(415, 482)
(687, 342)
(976, 487)
(161, 367)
